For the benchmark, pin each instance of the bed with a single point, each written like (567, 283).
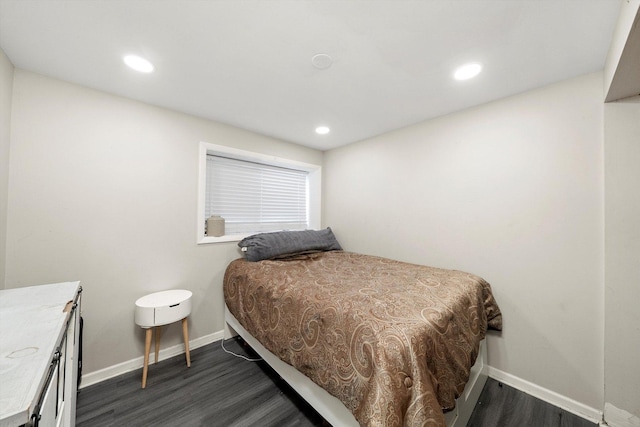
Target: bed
(366, 340)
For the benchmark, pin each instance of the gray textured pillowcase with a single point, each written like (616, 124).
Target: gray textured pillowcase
(288, 243)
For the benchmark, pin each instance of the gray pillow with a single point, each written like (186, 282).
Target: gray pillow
(288, 243)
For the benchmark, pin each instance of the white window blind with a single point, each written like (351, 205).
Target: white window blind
(254, 197)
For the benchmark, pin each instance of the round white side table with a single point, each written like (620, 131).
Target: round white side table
(162, 308)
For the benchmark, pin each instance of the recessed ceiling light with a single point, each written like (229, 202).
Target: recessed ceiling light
(322, 130)
(138, 63)
(467, 71)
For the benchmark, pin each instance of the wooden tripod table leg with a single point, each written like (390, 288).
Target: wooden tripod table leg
(147, 347)
(185, 333)
(157, 343)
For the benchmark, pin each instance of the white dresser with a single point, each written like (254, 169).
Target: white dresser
(39, 340)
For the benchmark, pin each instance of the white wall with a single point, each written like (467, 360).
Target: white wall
(623, 59)
(6, 89)
(511, 191)
(103, 190)
(622, 265)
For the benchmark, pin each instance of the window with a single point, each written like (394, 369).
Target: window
(255, 193)
(254, 197)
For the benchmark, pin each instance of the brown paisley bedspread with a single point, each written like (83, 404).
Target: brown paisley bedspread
(393, 341)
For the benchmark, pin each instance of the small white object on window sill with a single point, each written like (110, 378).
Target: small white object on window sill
(215, 226)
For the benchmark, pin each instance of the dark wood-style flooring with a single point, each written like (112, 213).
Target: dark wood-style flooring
(222, 390)
(501, 405)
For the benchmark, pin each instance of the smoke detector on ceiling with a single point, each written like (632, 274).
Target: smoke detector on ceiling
(322, 61)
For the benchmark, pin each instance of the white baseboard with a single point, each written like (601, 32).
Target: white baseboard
(547, 395)
(616, 417)
(137, 363)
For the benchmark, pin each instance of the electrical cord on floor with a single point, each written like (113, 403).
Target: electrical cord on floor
(238, 355)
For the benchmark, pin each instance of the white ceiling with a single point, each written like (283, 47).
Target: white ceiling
(248, 63)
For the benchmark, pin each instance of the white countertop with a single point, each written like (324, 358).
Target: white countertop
(32, 322)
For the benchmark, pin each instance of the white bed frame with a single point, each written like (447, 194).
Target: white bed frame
(332, 409)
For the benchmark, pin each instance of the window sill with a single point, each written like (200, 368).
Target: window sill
(205, 240)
